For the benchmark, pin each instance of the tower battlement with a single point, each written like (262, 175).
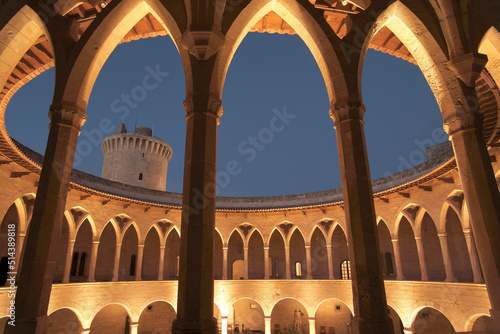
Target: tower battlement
(137, 158)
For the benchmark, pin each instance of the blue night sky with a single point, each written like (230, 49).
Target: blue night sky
(270, 75)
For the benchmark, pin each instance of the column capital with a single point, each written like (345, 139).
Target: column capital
(328, 245)
(418, 238)
(140, 246)
(266, 247)
(442, 235)
(347, 110)
(468, 67)
(203, 104)
(66, 114)
(96, 242)
(225, 248)
(395, 240)
(467, 231)
(202, 44)
(462, 120)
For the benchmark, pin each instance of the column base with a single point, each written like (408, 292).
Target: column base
(372, 326)
(194, 327)
(38, 325)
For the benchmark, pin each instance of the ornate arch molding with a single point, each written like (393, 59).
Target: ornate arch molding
(102, 37)
(312, 32)
(428, 54)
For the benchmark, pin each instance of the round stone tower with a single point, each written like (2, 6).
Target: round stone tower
(136, 158)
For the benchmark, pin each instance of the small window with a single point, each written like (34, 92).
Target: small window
(276, 268)
(81, 270)
(74, 263)
(132, 265)
(345, 269)
(140, 176)
(298, 269)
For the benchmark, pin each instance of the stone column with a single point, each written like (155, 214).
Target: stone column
(86, 331)
(474, 261)
(369, 299)
(287, 262)
(138, 264)
(93, 261)
(443, 240)
(162, 263)
(312, 325)
(397, 258)
(421, 259)
(266, 263)
(195, 301)
(309, 262)
(330, 261)
(134, 327)
(116, 264)
(480, 192)
(69, 259)
(267, 325)
(40, 256)
(223, 323)
(19, 250)
(245, 258)
(224, 262)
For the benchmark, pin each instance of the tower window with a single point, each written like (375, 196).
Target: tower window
(140, 176)
(345, 269)
(74, 263)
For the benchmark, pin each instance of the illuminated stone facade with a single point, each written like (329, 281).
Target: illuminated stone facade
(101, 256)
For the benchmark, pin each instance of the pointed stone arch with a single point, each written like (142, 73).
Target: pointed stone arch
(277, 257)
(307, 27)
(235, 257)
(102, 37)
(319, 254)
(297, 250)
(171, 257)
(425, 50)
(256, 261)
(151, 258)
(490, 46)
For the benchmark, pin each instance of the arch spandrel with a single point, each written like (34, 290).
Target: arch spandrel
(102, 37)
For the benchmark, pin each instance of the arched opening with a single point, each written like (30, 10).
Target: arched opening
(431, 321)
(432, 250)
(248, 315)
(396, 321)
(128, 255)
(408, 251)
(111, 319)
(482, 324)
(218, 256)
(386, 249)
(256, 256)
(151, 257)
(289, 313)
(64, 321)
(83, 246)
(333, 317)
(10, 224)
(298, 255)
(172, 249)
(238, 269)
(277, 255)
(339, 251)
(255, 125)
(106, 254)
(157, 317)
(319, 255)
(457, 246)
(234, 255)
